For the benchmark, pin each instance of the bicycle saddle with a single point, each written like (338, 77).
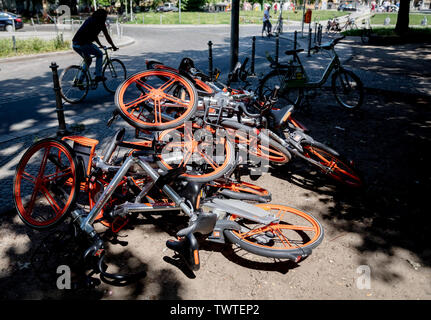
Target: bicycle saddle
(290, 52)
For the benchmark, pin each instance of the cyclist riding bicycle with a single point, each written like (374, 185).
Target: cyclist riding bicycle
(266, 22)
(83, 40)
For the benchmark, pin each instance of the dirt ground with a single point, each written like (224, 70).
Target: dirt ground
(385, 226)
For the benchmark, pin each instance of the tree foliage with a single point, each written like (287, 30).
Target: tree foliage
(193, 5)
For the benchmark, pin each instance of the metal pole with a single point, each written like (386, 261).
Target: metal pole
(253, 53)
(295, 37)
(315, 32)
(310, 31)
(210, 59)
(303, 15)
(277, 45)
(14, 44)
(234, 34)
(179, 11)
(62, 131)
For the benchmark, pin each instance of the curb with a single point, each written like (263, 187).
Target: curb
(130, 41)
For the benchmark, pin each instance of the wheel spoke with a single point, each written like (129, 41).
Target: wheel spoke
(44, 161)
(282, 238)
(167, 84)
(144, 85)
(137, 101)
(57, 175)
(176, 100)
(295, 227)
(210, 161)
(29, 177)
(32, 201)
(50, 199)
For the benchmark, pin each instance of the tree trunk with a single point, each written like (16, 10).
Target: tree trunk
(402, 25)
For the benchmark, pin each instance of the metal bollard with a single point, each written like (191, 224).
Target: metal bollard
(277, 45)
(310, 31)
(253, 53)
(210, 59)
(315, 33)
(295, 37)
(320, 34)
(14, 44)
(62, 131)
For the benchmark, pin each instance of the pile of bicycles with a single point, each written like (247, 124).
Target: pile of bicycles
(192, 136)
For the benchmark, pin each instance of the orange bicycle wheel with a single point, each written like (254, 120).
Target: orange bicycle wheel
(156, 99)
(292, 237)
(45, 183)
(335, 167)
(256, 144)
(205, 156)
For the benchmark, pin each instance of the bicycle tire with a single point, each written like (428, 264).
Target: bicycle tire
(299, 240)
(152, 95)
(349, 83)
(114, 76)
(257, 144)
(58, 187)
(71, 89)
(286, 96)
(337, 168)
(206, 168)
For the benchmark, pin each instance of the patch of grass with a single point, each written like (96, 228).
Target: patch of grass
(390, 31)
(31, 46)
(246, 17)
(414, 18)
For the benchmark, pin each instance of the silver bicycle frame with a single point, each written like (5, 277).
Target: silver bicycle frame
(86, 223)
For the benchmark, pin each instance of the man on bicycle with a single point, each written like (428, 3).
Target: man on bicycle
(266, 22)
(83, 40)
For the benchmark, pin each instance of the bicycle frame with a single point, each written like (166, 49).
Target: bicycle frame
(333, 65)
(85, 223)
(106, 60)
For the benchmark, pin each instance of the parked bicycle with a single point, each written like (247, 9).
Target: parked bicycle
(278, 28)
(269, 119)
(75, 81)
(333, 26)
(52, 172)
(292, 79)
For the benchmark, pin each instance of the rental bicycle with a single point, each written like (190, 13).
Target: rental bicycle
(75, 82)
(52, 172)
(333, 26)
(292, 79)
(265, 126)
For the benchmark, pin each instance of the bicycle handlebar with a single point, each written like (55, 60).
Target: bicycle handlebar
(109, 48)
